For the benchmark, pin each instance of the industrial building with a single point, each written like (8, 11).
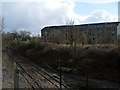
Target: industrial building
(95, 33)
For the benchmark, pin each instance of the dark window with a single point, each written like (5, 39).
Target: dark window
(66, 34)
(113, 33)
(71, 36)
(113, 41)
(90, 34)
(93, 38)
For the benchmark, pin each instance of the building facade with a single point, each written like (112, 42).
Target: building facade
(96, 33)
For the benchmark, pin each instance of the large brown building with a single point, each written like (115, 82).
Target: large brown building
(95, 33)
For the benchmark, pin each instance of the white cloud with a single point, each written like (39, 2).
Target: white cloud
(97, 1)
(33, 16)
(100, 16)
(89, 1)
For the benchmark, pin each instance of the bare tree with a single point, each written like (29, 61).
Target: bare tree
(24, 35)
(73, 37)
(70, 21)
(1, 25)
(56, 36)
(70, 28)
(83, 38)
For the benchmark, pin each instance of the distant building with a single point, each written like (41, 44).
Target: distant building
(118, 28)
(95, 33)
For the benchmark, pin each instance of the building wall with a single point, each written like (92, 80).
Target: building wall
(118, 29)
(87, 33)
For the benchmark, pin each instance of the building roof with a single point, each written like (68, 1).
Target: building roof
(91, 24)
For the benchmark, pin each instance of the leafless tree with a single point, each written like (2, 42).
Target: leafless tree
(70, 28)
(83, 38)
(1, 24)
(24, 35)
(56, 36)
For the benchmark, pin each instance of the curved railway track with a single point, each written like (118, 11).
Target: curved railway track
(35, 76)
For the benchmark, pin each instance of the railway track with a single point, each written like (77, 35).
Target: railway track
(35, 76)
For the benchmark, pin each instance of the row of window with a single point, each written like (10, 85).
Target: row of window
(67, 33)
(70, 36)
(98, 26)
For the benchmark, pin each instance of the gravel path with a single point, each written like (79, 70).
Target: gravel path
(8, 71)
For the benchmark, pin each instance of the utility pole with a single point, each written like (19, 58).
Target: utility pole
(87, 77)
(60, 75)
(16, 77)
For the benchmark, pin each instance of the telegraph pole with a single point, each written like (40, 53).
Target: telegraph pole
(16, 77)
(60, 75)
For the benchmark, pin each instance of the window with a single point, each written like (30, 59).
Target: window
(113, 33)
(45, 40)
(66, 34)
(90, 34)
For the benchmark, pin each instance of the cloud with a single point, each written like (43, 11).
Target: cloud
(100, 16)
(88, 1)
(36, 15)
(97, 1)
(33, 16)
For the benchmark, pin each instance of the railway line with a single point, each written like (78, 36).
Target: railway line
(34, 75)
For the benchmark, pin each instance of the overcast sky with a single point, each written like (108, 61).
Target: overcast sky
(33, 15)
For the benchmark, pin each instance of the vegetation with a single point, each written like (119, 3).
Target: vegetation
(101, 62)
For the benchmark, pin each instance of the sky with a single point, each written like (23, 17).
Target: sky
(33, 15)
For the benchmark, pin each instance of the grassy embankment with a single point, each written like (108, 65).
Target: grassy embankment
(101, 62)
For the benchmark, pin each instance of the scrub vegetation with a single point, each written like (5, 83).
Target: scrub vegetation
(100, 61)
